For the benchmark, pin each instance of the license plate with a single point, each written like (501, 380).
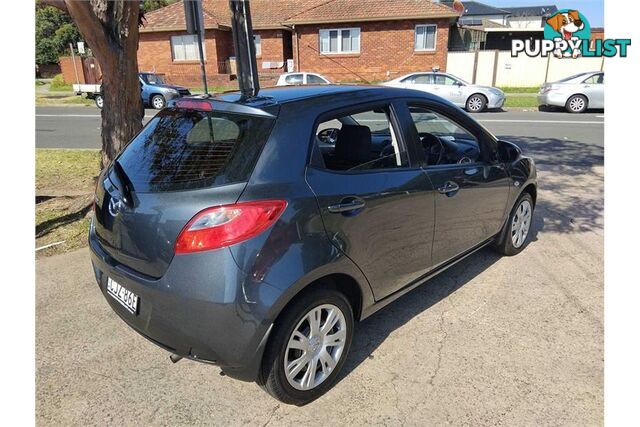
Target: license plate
(125, 297)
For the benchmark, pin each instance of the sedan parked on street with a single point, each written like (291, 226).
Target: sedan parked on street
(473, 98)
(297, 79)
(576, 94)
(252, 233)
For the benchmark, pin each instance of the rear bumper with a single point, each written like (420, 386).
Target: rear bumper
(204, 308)
(552, 98)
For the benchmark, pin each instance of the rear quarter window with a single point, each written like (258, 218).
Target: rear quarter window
(183, 150)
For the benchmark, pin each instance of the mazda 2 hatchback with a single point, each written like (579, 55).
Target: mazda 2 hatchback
(253, 233)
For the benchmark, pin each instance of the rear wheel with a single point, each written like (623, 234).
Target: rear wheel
(308, 347)
(577, 104)
(476, 103)
(158, 102)
(99, 101)
(518, 226)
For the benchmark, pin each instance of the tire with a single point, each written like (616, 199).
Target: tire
(510, 244)
(577, 104)
(273, 377)
(158, 102)
(476, 103)
(99, 101)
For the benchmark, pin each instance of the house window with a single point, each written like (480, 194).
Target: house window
(426, 37)
(258, 42)
(344, 40)
(185, 48)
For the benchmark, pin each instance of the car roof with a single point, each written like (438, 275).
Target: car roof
(280, 95)
(286, 94)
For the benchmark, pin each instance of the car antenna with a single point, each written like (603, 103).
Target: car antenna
(245, 48)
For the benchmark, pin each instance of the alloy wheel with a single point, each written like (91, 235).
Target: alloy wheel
(475, 103)
(158, 102)
(315, 347)
(521, 224)
(577, 104)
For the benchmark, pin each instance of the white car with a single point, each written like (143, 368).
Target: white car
(294, 79)
(576, 93)
(473, 98)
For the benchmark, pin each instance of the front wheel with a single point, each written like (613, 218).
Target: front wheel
(476, 103)
(99, 101)
(308, 347)
(577, 104)
(158, 102)
(514, 238)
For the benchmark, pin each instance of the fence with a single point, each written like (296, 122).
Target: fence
(498, 68)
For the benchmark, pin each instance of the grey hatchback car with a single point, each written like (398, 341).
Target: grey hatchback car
(253, 233)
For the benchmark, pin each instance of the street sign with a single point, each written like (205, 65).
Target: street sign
(194, 16)
(81, 47)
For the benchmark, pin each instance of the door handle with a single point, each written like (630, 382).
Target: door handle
(450, 188)
(347, 205)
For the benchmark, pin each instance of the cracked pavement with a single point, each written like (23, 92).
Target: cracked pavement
(492, 341)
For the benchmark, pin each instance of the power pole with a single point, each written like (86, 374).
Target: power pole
(245, 48)
(195, 25)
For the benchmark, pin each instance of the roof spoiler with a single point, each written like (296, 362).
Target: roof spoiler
(245, 48)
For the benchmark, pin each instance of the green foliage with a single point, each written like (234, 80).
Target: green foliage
(149, 5)
(54, 31)
(58, 84)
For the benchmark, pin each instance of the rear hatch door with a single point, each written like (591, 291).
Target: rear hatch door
(183, 161)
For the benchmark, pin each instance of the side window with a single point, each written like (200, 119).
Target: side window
(444, 80)
(312, 79)
(424, 79)
(592, 80)
(444, 141)
(294, 79)
(360, 141)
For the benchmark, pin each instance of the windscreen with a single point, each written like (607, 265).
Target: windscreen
(183, 150)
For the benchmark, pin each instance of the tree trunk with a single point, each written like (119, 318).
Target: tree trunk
(110, 27)
(122, 112)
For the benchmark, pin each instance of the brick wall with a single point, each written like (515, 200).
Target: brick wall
(386, 51)
(154, 54)
(275, 48)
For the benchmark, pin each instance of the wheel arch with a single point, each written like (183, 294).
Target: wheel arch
(533, 192)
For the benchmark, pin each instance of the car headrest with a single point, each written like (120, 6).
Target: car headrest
(353, 144)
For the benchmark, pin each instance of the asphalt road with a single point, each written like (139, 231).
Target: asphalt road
(79, 127)
(492, 341)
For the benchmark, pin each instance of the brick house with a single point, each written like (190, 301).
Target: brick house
(345, 40)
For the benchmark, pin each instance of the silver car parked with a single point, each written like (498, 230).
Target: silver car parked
(576, 93)
(473, 98)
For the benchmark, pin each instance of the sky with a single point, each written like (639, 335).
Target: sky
(592, 9)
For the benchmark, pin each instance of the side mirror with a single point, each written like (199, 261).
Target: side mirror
(508, 152)
(459, 84)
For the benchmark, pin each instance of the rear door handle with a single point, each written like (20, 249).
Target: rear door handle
(347, 205)
(450, 188)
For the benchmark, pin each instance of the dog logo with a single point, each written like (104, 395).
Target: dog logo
(569, 25)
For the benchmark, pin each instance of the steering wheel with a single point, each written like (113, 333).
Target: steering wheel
(433, 147)
(328, 136)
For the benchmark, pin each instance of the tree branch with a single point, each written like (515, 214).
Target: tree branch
(60, 4)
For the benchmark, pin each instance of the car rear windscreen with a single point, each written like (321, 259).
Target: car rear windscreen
(184, 150)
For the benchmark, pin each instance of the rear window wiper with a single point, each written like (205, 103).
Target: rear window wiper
(127, 186)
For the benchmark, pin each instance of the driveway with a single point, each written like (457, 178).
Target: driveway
(492, 341)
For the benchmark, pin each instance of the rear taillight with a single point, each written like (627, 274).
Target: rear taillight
(222, 226)
(194, 104)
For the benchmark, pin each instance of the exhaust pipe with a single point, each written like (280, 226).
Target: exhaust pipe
(245, 48)
(175, 358)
